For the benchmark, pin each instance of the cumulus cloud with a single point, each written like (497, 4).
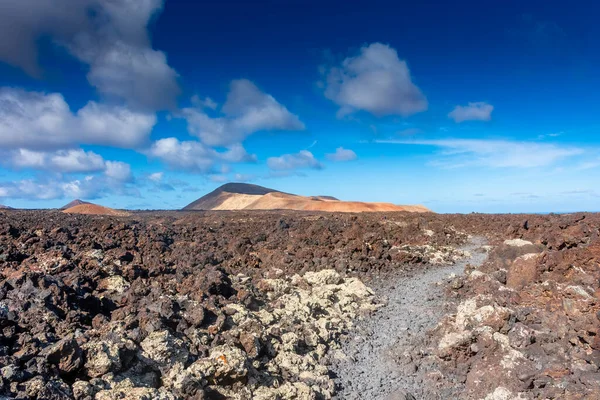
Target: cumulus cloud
(342, 154)
(112, 177)
(478, 111)
(114, 126)
(118, 171)
(111, 37)
(40, 121)
(188, 155)
(376, 81)
(23, 21)
(235, 153)
(140, 76)
(247, 110)
(286, 162)
(195, 156)
(115, 173)
(495, 153)
(61, 161)
(76, 161)
(41, 190)
(114, 180)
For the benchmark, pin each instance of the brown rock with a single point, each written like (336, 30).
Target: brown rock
(194, 315)
(251, 344)
(522, 271)
(66, 354)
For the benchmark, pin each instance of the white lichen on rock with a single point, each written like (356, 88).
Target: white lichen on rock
(436, 255)
(517, 242)
(285, 344)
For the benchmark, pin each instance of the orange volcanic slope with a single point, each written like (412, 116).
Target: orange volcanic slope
(240, 196)
(74, 203)
(94, 209)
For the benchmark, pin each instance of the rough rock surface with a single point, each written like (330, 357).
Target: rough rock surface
(527, 324)
(188, 305)
(252, 305)
(384, 357)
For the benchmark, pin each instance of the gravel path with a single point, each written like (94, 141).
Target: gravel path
(384, 357)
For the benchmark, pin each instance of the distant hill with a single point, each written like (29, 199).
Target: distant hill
(243, 196)
(3, 207)
(74, 203)
(229, 192)
(94, 209)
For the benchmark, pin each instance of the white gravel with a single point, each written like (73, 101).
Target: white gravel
(384, 357)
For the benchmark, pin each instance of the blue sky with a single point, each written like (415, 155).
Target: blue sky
(486, 106)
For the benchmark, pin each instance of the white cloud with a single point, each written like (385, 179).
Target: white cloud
(342, 154)
(115, 173)
(376, 81)
(31, 189)
(195, 156)
(76, 161)
(34, 120)
(302, 159)
(113, 126)
(24, 158)
(235, 153)
(89, 187)
(156, 176)
(206, 103)
(188, 155)
(243, 177)
(110, 36)
(62, 161)
(39, 121)
(247, 110)
(479, 111)
(495, 153)
(118, 171)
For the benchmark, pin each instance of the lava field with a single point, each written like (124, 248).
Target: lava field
(253, 305)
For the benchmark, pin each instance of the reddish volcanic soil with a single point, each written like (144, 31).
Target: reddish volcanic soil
(282, 201)
(242, 196)
(94, 209)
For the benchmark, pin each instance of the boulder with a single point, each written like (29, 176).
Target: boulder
(108, 356)
(65, 354)
(102, 357)
(522, 271)
(230, 363)
(163, 350)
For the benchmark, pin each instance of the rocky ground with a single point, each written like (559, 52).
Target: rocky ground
(382, 358)
(528, 319)
(176, 305)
